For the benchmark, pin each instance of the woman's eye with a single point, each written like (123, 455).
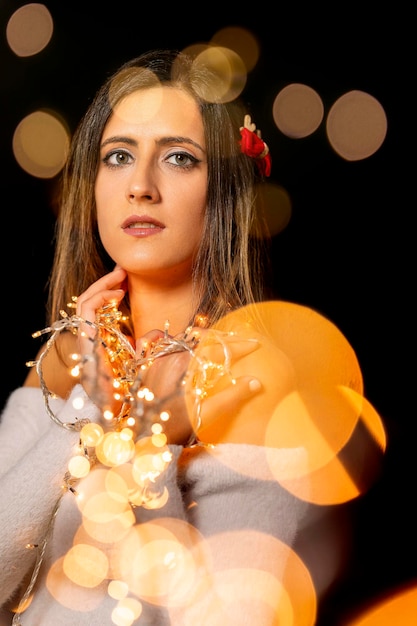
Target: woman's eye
(182, 159)
(117, 157)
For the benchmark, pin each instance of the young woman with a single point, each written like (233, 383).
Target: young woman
(159, 380)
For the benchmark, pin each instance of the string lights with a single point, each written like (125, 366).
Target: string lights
(133, 438)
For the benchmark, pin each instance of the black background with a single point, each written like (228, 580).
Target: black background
(347, 250)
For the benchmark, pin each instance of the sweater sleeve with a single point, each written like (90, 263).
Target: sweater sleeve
(34, 460)
(34, 453)
(249, 524)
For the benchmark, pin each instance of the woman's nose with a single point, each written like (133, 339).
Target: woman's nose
(142, 183)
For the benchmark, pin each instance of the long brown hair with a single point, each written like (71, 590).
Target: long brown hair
(229, 270)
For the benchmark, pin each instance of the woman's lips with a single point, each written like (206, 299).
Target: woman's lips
(141, 225)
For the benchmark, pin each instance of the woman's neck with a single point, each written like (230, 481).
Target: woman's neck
(160, 306)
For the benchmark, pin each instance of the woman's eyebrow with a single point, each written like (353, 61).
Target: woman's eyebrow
(179, 139)
(160, 142)
(119, 139)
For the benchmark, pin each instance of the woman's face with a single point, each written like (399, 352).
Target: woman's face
(151, 186)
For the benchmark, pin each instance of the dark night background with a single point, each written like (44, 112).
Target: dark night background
(346, 251)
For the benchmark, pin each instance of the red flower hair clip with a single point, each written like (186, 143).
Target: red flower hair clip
(254, 146)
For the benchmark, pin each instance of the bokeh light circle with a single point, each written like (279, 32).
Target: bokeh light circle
(85, 565)
(242, 41)
(229, 74)
(356, 125)
(41, 144)
(274, 202)
(29, 29)
(312, 416)
(297, 110)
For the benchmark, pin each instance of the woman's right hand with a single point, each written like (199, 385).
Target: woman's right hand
(106, 290)
(96, 371)
(57, 364)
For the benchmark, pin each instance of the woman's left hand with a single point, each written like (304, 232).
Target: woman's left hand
(171, 378)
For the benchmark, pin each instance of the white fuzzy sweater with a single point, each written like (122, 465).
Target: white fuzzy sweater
(243, 519)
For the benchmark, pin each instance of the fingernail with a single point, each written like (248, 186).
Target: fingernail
(254, 384)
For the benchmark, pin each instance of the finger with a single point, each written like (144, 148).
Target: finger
(105, 290)
(112, 280)
(147, 341)
(97, 301)
(222, 351)
(227, 401)
(87, 309)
